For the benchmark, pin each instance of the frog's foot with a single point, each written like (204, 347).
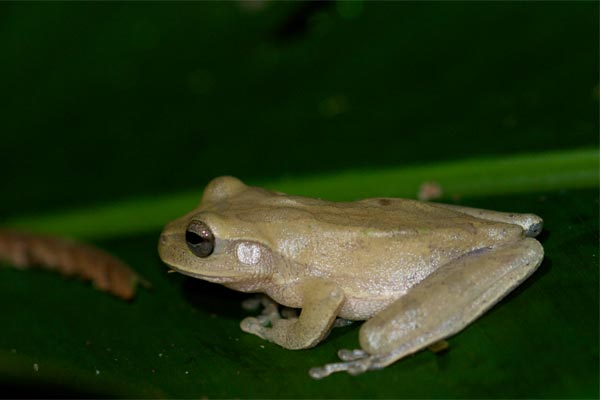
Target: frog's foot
(255, 326)
(270, 309)
(353, 361)
(268, 317)
(358, 361)
(342, 322)
(269, 312)
(252, 303)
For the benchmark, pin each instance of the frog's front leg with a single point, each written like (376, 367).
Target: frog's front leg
(321, 303)
(439, 306)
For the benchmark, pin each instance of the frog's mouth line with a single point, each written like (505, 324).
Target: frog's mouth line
(209, 278)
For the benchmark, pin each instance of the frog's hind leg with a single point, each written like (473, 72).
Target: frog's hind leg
(531, 223)
(440, 306)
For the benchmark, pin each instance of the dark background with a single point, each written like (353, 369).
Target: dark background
(108, 101)
(104, 101)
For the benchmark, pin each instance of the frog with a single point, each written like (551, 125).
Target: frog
(416, 272)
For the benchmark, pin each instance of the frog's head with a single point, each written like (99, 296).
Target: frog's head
(211, 243)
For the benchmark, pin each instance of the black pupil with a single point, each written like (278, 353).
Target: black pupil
(193, 238)
(200, 239)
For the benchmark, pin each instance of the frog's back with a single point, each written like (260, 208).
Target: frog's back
(380, 234)
(374, 217)
(375, 249)
(391, 216)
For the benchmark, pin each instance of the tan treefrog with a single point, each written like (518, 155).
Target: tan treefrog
(418, 272)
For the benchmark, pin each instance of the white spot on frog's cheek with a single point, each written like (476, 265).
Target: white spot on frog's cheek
(248, 254)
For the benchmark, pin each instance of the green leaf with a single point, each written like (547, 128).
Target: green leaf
(460, 179)
(182, 338)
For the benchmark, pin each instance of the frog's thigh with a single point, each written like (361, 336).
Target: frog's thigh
(531, 223)
(448, 300)
(322, 301)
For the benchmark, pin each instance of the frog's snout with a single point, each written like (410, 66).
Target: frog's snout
(166, 245)
(163, 242)
(163, 239)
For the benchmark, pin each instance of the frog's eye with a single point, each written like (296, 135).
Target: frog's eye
(200, 239)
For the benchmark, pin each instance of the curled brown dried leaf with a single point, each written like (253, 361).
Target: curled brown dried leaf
(67, 257)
